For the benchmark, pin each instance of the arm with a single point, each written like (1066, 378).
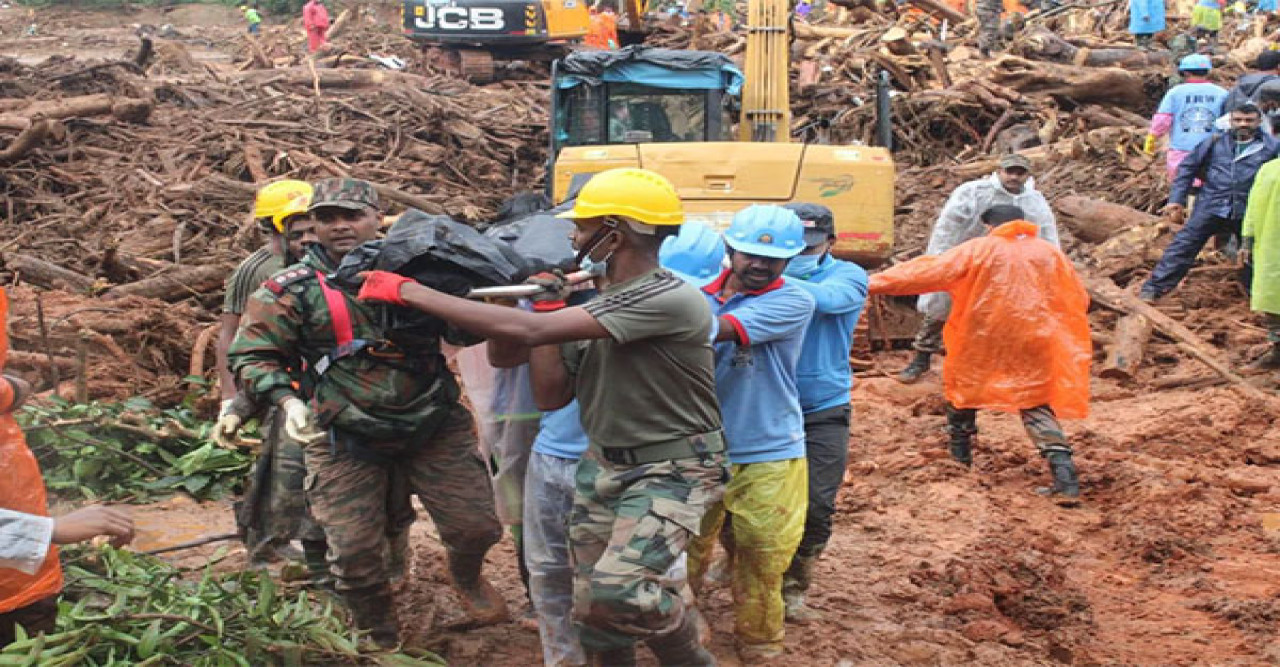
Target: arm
(1045, 220)
(1188, 170)
(844, 292)
(550, 377)
(927, 273)
(505, 324)
(773, 316)
(1162, 122)
(267, 346)
(229, 323)
(958, 215)
(504, 354)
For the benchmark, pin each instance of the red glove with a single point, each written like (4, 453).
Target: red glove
(383, 287)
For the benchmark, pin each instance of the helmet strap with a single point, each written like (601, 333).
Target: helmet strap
(596, 239)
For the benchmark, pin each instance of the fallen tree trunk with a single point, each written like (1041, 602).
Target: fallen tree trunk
(1095, 221)
(1108, 294)
(1128, 347)
(330, 78)
(1110, 86)
(123, 108)
(176, 285)
(46, 274)
(28, 140)
(1043, 44)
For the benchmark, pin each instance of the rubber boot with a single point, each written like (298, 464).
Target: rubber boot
(373, 609)
(795, 587)
(483, 603)
(682, 647)
(962, 448)
(618, 657)
(1066, 485)
(919, 366)
(1269, 361)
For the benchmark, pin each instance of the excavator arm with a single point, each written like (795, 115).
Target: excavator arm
(635, 30)
(766, 99)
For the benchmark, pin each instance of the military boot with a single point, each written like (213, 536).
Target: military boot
(373, 609)
(1269, 361)
(962, 448)
(795, 587)
(617, 657)
(314, 554)
(483, 603)
(682, 647)
(1066, 485)
(919, 366)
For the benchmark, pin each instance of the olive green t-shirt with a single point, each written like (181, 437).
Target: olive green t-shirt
(248, 277)
(653, 380)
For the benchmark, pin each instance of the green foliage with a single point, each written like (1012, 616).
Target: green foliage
(125, 608)
(128, 451)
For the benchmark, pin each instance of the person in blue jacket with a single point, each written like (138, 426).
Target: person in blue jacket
(1146, 18)
(1227, 164)
(839, 291)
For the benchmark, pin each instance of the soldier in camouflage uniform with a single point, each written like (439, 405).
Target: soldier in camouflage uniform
(638, 358)
(273, 511)
(988, 12)
(372, 413)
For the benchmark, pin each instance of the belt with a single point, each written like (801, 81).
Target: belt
(700, 446)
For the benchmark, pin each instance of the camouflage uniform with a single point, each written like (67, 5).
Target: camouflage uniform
(392, 417)
(1041, 424)
(628, 527)
(988, 12)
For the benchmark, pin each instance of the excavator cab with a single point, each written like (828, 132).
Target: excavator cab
(677, 113)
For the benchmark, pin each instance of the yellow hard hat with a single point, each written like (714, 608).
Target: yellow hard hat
(642, 195)
(279, 200)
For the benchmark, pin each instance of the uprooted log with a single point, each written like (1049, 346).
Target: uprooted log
(44, 274)
(182, 282)
(1095, 221)
(1043, 44)
(28, 140)
(126, 109)
(330, 78)
(1108, 294)
(1105, 85)
(1128, 347)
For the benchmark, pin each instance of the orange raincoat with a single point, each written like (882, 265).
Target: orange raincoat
(22, 491)
(1018, 334)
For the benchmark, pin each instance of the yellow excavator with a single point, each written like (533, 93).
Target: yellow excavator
(673, 111)
(471, 34)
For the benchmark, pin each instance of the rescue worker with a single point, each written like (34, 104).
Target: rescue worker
(960, 221)
(762, 319)
(274, 511)
(315, 20)
(252, 17)
(30, 574)
(839, 291)
(372, 417)
(1017, 339)
(1266, 68)
(1146, 18)
(1226, 164)
(1206, 20)
(988, 13)
(640, 364)
(1187, 112)
(1261, 249)
(695, 254)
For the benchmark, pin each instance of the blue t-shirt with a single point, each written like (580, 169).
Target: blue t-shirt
(1194, 107)
(756, 381)
(839, 291)
(561, 434)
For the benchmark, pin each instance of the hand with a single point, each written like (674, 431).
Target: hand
(87, 523)
(1175, 212)
(554, 290)
(383, 287)
(225, 430)
(298, 423)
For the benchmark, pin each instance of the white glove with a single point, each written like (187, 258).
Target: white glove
(228, 425)
(297, 421)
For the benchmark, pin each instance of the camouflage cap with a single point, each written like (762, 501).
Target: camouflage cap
(349, 193)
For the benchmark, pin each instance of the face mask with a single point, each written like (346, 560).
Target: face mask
(593, 267)
(803, 266)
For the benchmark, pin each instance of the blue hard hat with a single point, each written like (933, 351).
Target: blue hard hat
(767, 231)
(1195, 61)
(696, 252)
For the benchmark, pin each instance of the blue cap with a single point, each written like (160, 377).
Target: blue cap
(1195, 61)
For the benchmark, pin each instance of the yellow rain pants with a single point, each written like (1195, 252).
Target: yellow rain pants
(768, 502)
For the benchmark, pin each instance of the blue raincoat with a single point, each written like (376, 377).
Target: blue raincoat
(1146, 17)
